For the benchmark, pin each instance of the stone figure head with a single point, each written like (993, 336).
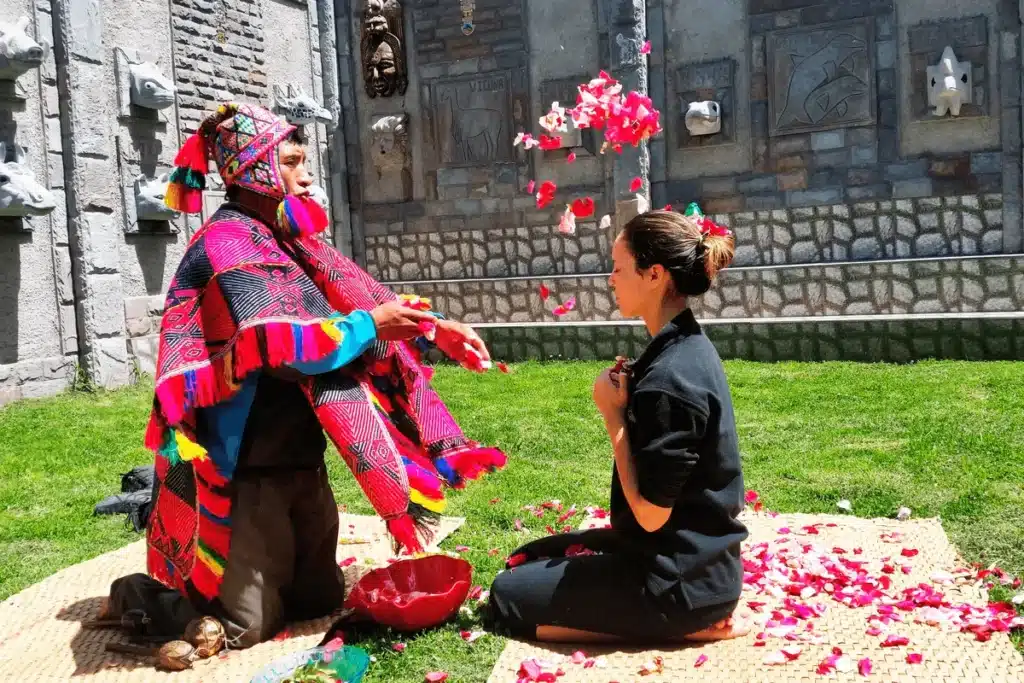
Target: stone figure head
(389, 132)
(383, 49)
(299, 107)
(19, 52)
(149, 199)
(150, 89)
(703, 118)
(949, 84)
(20, 193)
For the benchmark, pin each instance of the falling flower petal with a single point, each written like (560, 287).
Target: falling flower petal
(546, 194)
(845, 505)
(571, 158)
(436, 677)
(864, 667)
(645, 49)
(903, 514)
(554, 120)
(914, 658)
(566, 307)
(503, 367)
(583, 207)
(550, 143)
(636, 184)
(567, 224)
(544, 292)
(700, 661)
(526, 140)
(471, 636)
(606, 222)
(530, 186)
(428, 329)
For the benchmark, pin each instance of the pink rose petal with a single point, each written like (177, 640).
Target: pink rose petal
(864, 667)
(914, 658)
(398, 647)
(700, 661)
(436, 677)
(645, 49)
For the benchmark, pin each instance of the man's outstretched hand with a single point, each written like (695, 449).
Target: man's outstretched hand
(463, 345)
(396, 322)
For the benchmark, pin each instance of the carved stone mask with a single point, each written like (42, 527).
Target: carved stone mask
(376, 23)
(20, 193)
(149, 199)
(19, 52)
(388, 131)
(382, 71)
(150, 88)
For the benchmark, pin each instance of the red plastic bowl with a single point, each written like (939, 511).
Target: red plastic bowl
(410, 595)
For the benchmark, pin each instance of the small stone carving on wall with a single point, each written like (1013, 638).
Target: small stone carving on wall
(472, 119)
(821, 78)
(21, 195)
(149, 199)
(19, 54)
(956, 45)
(389, 157)
(949, 84)
(706, 96)
(383, 49)
(565, 91)
(299, 107)
(142, 88)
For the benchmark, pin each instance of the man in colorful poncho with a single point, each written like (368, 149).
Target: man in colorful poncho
(269, 339)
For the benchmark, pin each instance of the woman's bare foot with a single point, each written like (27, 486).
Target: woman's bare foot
(726, 629)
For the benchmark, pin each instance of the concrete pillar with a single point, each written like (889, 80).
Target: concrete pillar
(91, 176)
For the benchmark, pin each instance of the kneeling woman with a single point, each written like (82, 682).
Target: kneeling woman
(669, 567)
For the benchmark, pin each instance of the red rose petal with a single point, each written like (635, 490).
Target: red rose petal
(544, 292)
(571, 158)
(895, 641)
(436, 677)
(398, 647)
(864, 667)
(909, 552)
(503, 367)
(346, 562)
(637, 183)
(583, 208)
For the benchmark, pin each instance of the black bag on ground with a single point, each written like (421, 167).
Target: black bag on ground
(135, 500)
(140, 478)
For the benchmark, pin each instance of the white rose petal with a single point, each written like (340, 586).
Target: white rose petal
(844, 505)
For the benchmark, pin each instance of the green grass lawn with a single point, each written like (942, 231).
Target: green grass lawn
(945, 439)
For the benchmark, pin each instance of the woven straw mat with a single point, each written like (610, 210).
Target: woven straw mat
(948, 657)
(41, 637)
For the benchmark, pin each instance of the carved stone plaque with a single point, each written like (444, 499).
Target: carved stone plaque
(821, 78)
(472, 118)
(707, 81)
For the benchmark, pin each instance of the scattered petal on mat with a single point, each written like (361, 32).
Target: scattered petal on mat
(346, 562)
(398, 647)
(864, 667)
(700, 661)
(893, 640)
(654, 666)
(579, 657)
(564, 308)
(436, 677)
(845, 505)
(470, 636)
(903, 514)
(942, 577)
(914, 658)
(845, 664)
(645, 49)
(776, 658)
(909, 552)
(636, 184)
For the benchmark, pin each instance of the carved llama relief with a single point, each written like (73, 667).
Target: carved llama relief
(475, 130)
(299, 107)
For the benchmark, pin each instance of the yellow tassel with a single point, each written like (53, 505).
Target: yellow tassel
(187, 450)
(173, 196)
(436, 506)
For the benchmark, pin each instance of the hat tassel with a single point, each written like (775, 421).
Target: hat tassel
(188, 180)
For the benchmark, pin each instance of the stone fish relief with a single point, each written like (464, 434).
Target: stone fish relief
(820, 78)
(19, 52)
(383, 49)
(21, 195)
(149, 88)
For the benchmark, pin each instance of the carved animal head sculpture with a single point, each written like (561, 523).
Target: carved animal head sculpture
(949, 84)
(20, 193)
(149, 199)
(19, 52)
(150, 89)
(300, 108)
(319, 195)
(389, 133)
(703, 118)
